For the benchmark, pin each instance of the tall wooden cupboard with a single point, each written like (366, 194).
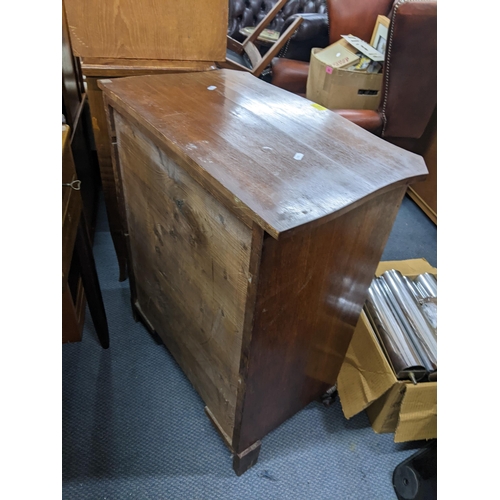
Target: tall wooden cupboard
(117, 38)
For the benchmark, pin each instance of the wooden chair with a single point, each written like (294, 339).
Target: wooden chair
(246, 56)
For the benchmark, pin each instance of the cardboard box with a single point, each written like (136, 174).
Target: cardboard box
(337, 88)
(337, 55)
(367, 382)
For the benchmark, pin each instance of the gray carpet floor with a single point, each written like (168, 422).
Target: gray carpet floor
(134, 427)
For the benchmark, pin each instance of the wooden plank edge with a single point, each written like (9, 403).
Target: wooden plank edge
(422, 204)
(219, 429)
(248, 322)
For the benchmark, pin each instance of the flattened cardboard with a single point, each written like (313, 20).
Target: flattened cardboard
(370, 375)
(337, 55)
(418, 413)
(367, 382)
(384, 412)
(337, 88)
(364, 48)
(410, 267)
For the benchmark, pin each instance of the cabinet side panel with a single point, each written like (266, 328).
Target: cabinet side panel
(310, 293)
(190, 259)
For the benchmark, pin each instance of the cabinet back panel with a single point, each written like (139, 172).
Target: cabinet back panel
(149, 29)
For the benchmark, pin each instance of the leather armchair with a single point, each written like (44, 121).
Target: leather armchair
(313, 31)
(345, 17)
(407, 114)
(409, 88)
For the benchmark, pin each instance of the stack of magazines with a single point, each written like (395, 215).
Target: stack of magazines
(403, 314)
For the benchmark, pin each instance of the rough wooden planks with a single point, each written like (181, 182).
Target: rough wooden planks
(192, 257)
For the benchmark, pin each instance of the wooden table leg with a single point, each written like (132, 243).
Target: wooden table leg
(246, 459)
(103, 146)
(84, 254)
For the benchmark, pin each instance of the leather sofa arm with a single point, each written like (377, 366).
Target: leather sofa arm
(366, 118)
(290, 75)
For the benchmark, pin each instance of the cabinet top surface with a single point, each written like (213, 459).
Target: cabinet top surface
(276, 156)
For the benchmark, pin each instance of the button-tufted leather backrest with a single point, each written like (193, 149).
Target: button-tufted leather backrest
(244, 13)
(410, 74)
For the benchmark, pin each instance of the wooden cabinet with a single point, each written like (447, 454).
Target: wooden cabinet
(84, 165)
(77, 251)
(255, 222)
(73, 301)
(119, 38)
(75, 110)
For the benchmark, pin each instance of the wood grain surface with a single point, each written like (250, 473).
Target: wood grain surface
(71, 205)
(302, 165)
(311, 289)
(255, 224)
(149, 29)
(110, 68)
(191, 260)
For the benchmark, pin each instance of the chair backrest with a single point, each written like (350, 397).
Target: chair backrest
(243, 13)
(257, 61)
(355, 17)
(409, 89)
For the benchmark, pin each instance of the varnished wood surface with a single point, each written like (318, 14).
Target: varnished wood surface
(245, 122)
(71, 205)
(191, 261)
(110, 68)
(311, 289)
(71, 323)
(149, 29)
(73, 309)
(256, 297)
(76, 246)
(103, 147)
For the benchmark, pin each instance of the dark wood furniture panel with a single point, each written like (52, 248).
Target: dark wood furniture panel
(76, 114)
(254, 223)
(77, 248)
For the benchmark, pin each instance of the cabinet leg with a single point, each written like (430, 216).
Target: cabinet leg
(246, 459)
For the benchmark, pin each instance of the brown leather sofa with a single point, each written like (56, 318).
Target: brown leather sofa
(313, 31)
